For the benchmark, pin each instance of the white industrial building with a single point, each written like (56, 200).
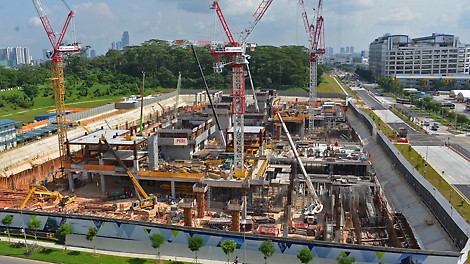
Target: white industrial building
(438, 54)
(7, 134)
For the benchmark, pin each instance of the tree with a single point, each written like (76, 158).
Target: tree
(195, 243)
(64, 230)
(305, 255)
(229, 247)
(267, 248)
(344, 259)
(6, 221)
(34, 224)
(157, 240)
(90, 236)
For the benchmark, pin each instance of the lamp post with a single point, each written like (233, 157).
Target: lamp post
(23, 230)
(174, 251)
(244, 243)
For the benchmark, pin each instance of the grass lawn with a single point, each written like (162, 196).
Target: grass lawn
(44, 104)
(328, 85)
(70, 257)
(435, 179)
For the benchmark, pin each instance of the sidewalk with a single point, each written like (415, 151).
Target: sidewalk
(113, 253)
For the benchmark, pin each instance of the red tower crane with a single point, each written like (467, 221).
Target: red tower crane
(317, 48)
(235, 53)
(57, 71)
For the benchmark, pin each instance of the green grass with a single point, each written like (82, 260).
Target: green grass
(328, 85)
(43, 104)
(70, 257)
(381, 125)
(435, 179)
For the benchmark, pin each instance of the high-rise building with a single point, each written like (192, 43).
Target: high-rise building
(11, 57)
(125, 39)
(438, 54)
(342, 50)
(7, 134)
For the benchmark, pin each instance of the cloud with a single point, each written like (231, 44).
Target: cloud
(400, 15)
(35, 22)
(100, 9)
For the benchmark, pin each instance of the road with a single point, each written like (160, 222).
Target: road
(12, 260)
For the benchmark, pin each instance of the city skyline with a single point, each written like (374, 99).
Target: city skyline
(99, 23)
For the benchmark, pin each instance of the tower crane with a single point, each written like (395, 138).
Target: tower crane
(57, 71)
(235, 53)
(317, 48)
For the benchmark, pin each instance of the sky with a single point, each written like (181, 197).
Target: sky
(347, 22)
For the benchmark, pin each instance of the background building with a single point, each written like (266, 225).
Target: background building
(10, 57)
(120, 45)
(438, 54)
(7, 134)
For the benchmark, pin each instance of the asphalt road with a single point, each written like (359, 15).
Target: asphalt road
(12, 260)
(369, 100)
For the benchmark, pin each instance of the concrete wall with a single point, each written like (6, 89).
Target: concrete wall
(451, 221)
(133, 236)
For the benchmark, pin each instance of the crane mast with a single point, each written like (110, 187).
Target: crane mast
(317, 48)
(235, 52)
(57, 72)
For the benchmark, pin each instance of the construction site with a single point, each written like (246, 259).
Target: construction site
(249, 162)
(179, 172)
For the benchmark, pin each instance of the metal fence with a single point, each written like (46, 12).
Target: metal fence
(448, 217)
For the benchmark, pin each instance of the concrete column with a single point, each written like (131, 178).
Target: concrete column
(235, 221)
(200, 204)
(188, 218)
(103, 184)
(71, 184)
(173, 189)
(87, 175)
(136, 165)
(302, 130)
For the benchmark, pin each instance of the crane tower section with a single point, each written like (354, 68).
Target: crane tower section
(57, 71)
(315, 34)
(235, 53)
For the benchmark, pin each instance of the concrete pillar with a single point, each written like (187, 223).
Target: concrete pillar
(278, 131)
(71, 184)
(173, 189)
(103, 184)
(136, 165)
(235, 221)
(302, 130)
(200, 204)
(87, 175)
(188, 218)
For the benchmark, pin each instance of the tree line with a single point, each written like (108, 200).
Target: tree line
(120, 72)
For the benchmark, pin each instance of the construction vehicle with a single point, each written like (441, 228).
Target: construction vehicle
(43, 191)
(57, 72)
(317, 49)
(234, 52)
(119, 194)
(316, 207)
(145, 201)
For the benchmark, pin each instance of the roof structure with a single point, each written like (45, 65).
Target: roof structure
(4, 122)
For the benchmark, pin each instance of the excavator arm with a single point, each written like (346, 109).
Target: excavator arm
(42, 190)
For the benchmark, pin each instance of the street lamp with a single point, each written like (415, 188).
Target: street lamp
(244, 243)
(23, 230)
(174, 250)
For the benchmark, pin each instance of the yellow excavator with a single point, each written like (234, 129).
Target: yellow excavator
(43, 191)
(145, 201)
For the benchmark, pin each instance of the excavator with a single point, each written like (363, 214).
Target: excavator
(145, 201)
(43, 191)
